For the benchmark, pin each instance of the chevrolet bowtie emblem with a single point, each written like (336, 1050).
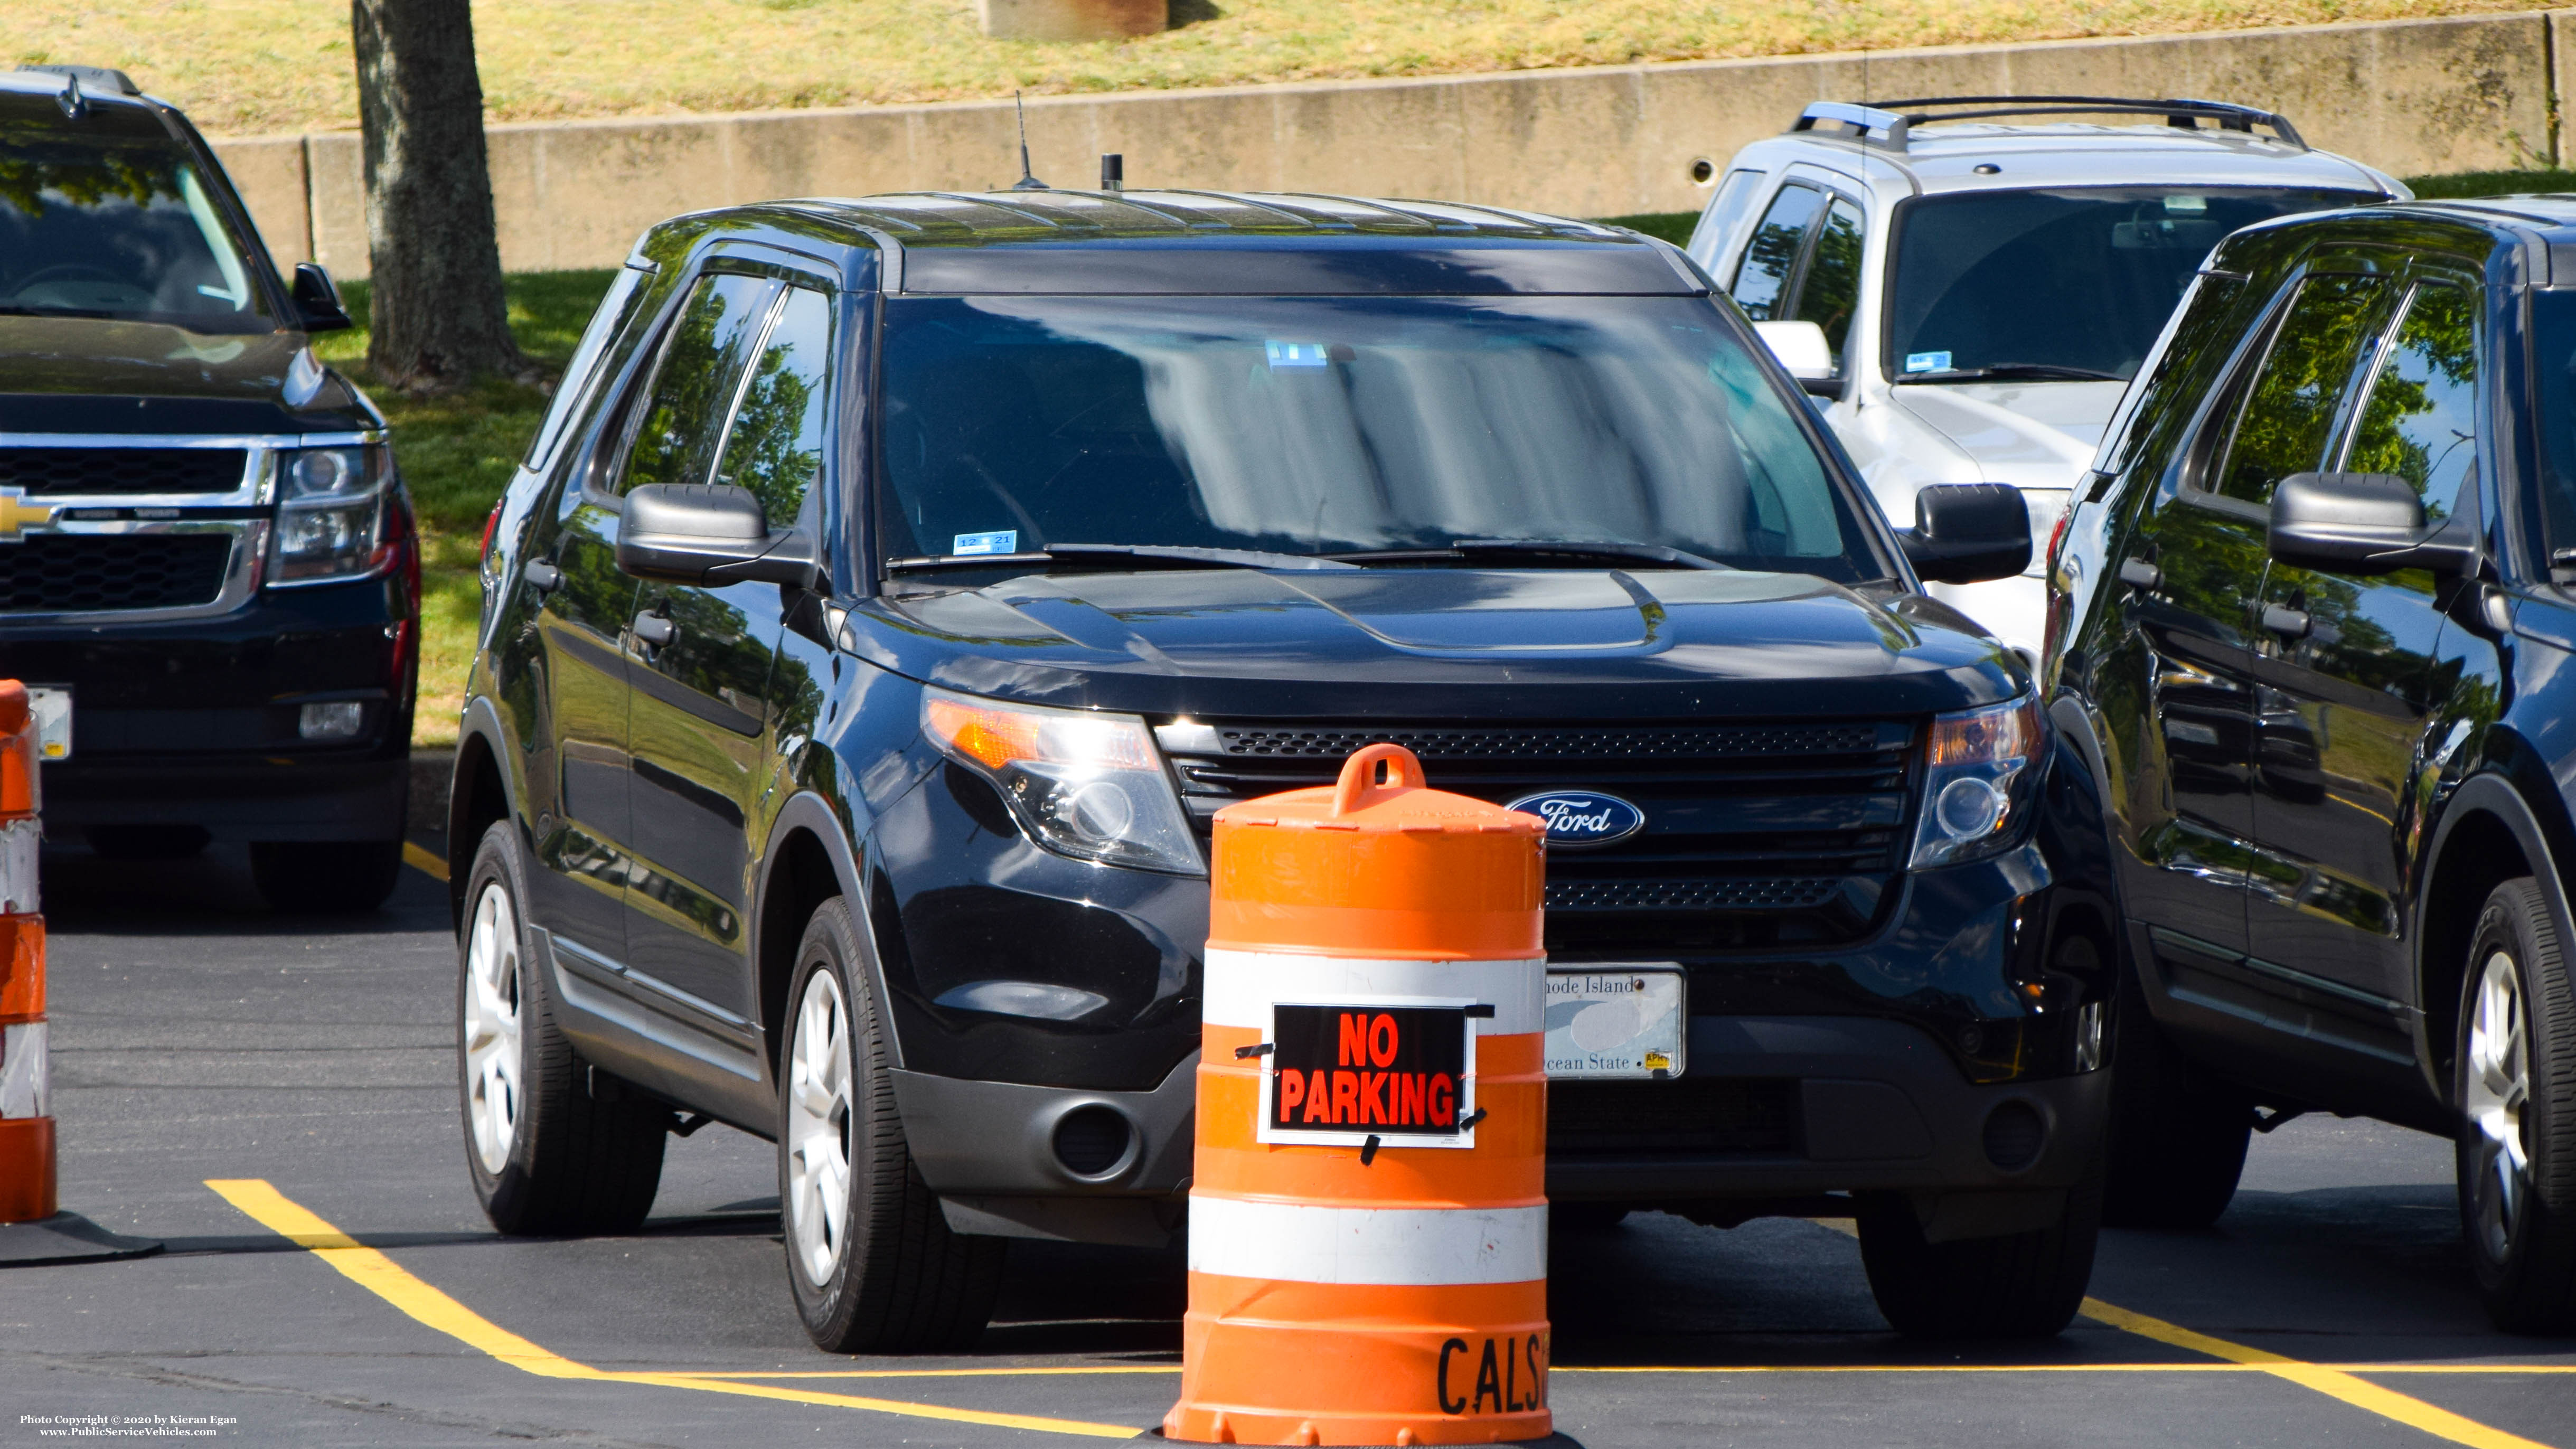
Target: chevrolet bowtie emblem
(17, 517)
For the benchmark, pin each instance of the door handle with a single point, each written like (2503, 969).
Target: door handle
(541, 575)
(2137, 573)
(654, 629)
(2288, 623)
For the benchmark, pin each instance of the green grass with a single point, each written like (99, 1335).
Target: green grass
(251, 66)
(457, 450)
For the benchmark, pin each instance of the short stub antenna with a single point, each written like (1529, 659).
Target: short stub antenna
(1026, 182)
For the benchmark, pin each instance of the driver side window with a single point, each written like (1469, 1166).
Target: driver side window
(2314, 363)
(679, 420)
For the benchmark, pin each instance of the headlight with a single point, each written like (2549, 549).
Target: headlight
(1082, 784)
(1977, 781)
(330, 513)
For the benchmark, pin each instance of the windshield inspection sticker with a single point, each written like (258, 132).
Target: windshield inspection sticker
(2192, 205)
(968, 545)
(1927, 362)
(1298, 354)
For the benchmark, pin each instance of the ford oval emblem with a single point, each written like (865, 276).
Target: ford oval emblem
(1582, 817)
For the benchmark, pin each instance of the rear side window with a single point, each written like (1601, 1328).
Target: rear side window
(2420, 421)
(605, 325)
(2312, 366)
(1771, 259)
(683, 411)
(1725, 211)
(1832, 286)
(775, 447)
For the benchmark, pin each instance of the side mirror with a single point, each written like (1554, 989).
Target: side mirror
(698, 533)
(1967, 533)
(2361, 523)
(317, 298)
(1803, 350)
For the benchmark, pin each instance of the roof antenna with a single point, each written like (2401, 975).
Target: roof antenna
(1026, 182)
(74, 104)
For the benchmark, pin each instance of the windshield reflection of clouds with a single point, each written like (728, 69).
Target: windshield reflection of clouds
(1338, 426)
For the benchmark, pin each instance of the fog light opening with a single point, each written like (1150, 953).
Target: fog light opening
(1093, 1141)
(2014, 1136)
(338, 719)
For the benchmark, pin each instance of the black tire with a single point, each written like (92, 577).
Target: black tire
(2021, 1285)
(146, 842)
(899, 1280)
(2178, 1134)
(325, 877)
(569, 1163)
(2522, 1242)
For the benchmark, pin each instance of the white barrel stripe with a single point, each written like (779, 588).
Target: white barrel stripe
(1304, 1243)
(18, 868)
(23, 1086)
(1241, 986)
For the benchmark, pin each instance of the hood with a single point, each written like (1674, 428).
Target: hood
(1514, 644)
(2028, 434)
(86, 375)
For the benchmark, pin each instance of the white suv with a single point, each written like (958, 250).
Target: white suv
(1966, 300)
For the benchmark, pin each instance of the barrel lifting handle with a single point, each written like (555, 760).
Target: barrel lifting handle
(1358, 785)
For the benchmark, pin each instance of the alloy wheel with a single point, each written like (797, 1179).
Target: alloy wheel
(491, 1027)
(2497, 1090)
(818, 1129)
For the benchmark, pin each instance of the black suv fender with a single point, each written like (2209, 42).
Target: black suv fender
(2487, 832)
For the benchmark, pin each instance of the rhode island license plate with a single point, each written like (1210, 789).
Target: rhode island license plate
(1615, 1021)
(53, 711)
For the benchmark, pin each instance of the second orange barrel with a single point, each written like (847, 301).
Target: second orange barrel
(1368, 1213)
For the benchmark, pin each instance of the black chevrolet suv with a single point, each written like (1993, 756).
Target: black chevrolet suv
(2312, 620)
(207, 568)
(899, 586)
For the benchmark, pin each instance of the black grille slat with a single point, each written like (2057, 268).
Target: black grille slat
(1635, 742)
(1725, 893)
(1688, 1116)
(60, 472)
(64, 573)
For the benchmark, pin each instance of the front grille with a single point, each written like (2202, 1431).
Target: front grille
(59, 471)
(1784, 893)
(1762, 834)
(1687, 1116)
(63, 573)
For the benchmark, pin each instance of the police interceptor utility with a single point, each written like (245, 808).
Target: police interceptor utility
(899, 586)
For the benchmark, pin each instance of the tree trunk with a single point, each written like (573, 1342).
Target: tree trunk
(438, 314)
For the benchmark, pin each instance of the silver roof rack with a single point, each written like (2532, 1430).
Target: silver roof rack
(1888, 124)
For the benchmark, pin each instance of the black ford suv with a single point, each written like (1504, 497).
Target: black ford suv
(2312, 620)
(899, 586)
(207, 567)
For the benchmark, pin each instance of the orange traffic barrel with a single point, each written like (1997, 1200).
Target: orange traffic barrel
(26, 1118)
(1368, 1212)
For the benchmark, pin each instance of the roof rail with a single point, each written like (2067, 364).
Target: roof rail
(1895, 119)
(93, 77)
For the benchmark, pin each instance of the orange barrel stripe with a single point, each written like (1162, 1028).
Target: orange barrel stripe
(1368, 1211)
(27, 1189)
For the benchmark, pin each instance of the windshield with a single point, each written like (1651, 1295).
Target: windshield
(1345, 426)
(108, 217)
(2553, 365)
(2076, 282)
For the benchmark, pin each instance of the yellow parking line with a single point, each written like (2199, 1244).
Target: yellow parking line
(385, 1278)
(421, 860)
(2333, 1383)
(965, 1373)
(2047, 1368)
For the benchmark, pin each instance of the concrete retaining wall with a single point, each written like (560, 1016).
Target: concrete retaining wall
(2412, 97)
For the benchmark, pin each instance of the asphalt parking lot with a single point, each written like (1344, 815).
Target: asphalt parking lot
(276, 1102)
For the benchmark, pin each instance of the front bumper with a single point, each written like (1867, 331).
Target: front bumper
(195, 722)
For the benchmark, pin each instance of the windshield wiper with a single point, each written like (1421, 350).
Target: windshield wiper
(2045, 371)
(13, 310)
(1175, 555)
(1543, 548)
